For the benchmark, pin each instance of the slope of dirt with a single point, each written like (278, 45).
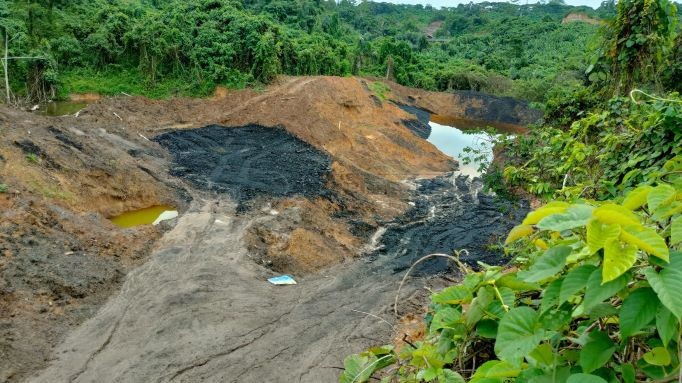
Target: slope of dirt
(476, 108)
(200, 311)
(59, 256)
(60, 259)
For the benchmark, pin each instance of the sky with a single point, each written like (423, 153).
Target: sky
(452, 3)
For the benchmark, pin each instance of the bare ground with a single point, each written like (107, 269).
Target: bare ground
(194, 305)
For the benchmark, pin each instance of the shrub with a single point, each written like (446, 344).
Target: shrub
(596, 296)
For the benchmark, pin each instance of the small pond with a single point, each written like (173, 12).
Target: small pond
(61, 108)
(452, 135)
(148, 216)
(452, 141)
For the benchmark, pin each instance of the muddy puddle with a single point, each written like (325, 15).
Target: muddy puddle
(152, 215)
(61, 108)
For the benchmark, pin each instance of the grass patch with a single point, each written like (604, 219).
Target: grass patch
(3, 188)
(32, 158)
(51, 191)
(380, 89)
(113, 82)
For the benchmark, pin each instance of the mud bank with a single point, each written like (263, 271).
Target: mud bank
(246, 162)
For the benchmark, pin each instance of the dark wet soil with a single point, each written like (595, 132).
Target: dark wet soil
(247, 162)
(450, 213)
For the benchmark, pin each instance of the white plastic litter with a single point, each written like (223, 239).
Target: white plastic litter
(282, 280)
(166, 215)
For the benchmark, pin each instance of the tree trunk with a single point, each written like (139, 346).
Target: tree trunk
(5, 66)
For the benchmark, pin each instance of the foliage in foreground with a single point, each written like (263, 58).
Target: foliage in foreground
(595, 296)
(602, 153)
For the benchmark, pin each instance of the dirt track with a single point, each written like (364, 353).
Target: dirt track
(199, 310)
(199, 307)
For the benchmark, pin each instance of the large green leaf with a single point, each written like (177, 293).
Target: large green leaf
(518, 232)
(547, 265)
(676, 231)
(596, 292)
(658, 356)
(661, 194)
(612, 214)
(449, 376)
(536, 216)
(666, 325)
(628, 373)
(618, 258)
(585, 378)
(646, 239)
(668, 284)
(597, 351)
(496, 369)
(574, 216)
(446, 317)
(550, 296)
(453, 295)
(575, 280)
(518, 334)
(479, 305)
(598, 233)
(513, 282)
(637, 197)
(358, 368)
(638, 310)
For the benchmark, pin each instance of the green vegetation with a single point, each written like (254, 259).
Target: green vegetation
(592, 292)
(596, 298)
(162, 48)
(380, 89)
(32, 158)
(3, 188)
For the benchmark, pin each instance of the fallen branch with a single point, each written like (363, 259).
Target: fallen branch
(397, 296)
(119, 117)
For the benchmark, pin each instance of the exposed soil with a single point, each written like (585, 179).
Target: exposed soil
(326, 168)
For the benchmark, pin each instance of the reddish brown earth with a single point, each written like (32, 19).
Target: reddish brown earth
(60, 258)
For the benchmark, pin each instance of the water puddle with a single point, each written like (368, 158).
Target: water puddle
(148, 216)
(452, 142)
(61, 108)
(452, 135)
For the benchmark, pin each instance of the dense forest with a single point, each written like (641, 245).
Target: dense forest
(160, 48)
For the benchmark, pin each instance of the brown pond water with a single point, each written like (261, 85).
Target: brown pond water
(61, 108)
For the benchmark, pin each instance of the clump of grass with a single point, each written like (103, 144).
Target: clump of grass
(32, 158)
(3, 188)
(380, 89)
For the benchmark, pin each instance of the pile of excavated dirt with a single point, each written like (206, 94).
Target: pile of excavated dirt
(246, 162)
(337, 158)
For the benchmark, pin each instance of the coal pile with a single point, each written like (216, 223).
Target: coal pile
(451, 213)
(247, 162)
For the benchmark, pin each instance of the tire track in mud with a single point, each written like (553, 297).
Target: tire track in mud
(201, 310)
